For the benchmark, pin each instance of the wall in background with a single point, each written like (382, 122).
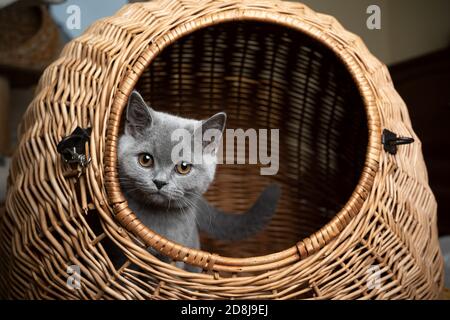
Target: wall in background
(418, 27)
(409, 28)
(90, 11)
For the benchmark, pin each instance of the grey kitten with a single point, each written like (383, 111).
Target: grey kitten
(167, 197)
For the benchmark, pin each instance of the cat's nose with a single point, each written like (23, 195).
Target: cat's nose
(159, 184)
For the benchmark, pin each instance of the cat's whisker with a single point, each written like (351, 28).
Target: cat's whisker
(192, 205)
(206, 208)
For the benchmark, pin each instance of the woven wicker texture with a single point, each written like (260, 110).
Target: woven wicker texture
(348, 208)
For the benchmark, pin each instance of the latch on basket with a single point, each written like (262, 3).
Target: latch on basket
(73, 147)
(391, 141)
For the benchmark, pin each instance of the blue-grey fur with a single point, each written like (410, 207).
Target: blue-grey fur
(178, 210)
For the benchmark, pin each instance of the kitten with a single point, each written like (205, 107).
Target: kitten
(167, 196)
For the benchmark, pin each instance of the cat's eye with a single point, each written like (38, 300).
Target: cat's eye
(183, 167)
(145, 160)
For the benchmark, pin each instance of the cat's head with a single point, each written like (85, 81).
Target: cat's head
(149, 169)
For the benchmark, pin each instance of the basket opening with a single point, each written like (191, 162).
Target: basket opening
(265, 75)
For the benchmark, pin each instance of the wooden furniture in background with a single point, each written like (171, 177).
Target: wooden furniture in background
(424, 84)
(29, 41)
(4, 116)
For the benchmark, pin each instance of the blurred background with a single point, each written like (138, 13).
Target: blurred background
(412, 38)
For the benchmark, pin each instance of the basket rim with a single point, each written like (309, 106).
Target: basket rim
(305, 247)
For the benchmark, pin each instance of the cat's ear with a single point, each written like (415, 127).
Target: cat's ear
(139, 115)
(212, 131)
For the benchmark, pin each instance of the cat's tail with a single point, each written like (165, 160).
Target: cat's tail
(227, 226)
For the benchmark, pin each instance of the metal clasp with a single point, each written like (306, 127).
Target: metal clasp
(391, 141)
(73, 147)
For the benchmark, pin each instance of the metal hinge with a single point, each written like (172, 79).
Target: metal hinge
(73, 148)
(391, 141)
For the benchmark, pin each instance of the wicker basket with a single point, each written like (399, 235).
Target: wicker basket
(29, 39)
(349, 209)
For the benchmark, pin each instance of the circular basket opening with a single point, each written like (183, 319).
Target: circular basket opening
(265, 76)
